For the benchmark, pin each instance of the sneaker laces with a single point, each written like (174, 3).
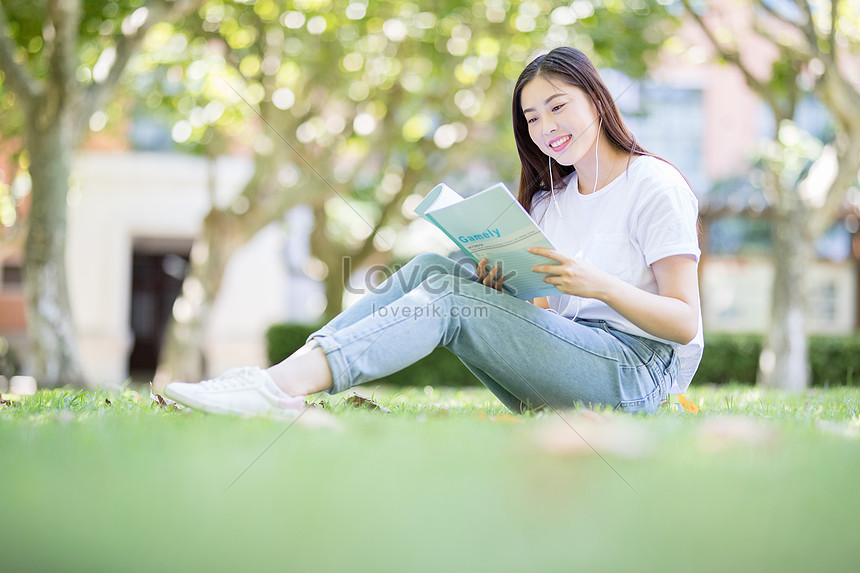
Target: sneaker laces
(233, 379)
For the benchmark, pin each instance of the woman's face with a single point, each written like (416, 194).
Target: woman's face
(562, 121)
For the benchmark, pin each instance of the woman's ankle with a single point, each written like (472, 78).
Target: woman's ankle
(305, 372)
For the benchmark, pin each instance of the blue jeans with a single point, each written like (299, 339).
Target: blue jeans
(525, 355)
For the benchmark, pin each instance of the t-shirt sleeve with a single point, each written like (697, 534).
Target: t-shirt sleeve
(667, 224)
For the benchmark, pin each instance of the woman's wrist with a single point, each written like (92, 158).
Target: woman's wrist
(610, 289)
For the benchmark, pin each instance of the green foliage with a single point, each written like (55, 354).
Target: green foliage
(33, 46)
(835, 360)
(791, 154)
(440, 368)
(383, 98)
(729, 358)
(284, 339)
(100, 25)
(9, 363)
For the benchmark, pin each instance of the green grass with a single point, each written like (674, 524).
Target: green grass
(448, 481)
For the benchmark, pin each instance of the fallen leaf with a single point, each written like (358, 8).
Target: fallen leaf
(358, 401)
(687, 405)
(163, 402)
(719, 433)
(509, 418)
(595, 416)
(586, 433)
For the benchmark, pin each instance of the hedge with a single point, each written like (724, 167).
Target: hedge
(439, 368)
(835, 360)
(9, 363)
(728, 358)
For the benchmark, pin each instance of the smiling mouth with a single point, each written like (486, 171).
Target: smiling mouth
(560, 142)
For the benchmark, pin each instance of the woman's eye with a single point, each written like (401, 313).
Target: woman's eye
(558, 107)
(531, 120)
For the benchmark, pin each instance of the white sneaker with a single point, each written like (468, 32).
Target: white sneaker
(247, 391)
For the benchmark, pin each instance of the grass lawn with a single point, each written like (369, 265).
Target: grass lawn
(447, 481)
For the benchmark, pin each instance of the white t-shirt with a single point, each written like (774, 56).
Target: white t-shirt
(644, 215)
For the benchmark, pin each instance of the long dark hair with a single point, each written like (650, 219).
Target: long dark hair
(573, 68)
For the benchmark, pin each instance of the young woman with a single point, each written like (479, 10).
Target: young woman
(625, 326)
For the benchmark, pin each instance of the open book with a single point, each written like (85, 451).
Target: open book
(494, 225)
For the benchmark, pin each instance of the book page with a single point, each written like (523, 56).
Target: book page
(438, 197)
(494, 225)
(515, 262)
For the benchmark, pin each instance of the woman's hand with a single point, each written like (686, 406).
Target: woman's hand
(572, 276)
(488, 278)
(672, 313)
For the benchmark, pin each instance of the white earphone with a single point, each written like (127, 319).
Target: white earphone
(558, 209)
(596, 160)
(596, 173)
(552, 189)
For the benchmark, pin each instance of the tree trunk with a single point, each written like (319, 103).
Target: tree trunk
(224, 232)
(182, 357)
(323, 248)
(54, 354)
(784, 360)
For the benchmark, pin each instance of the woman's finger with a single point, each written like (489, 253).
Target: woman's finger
(481, 269)
(548, 253)
(500, 283)
(548, 269)
(488, 280)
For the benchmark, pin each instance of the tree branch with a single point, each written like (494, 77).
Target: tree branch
(64, 16)
(407, 187)
(733, 57)
(793, 52)
(848, 161)
(843, 101)
(266, 198)
(841, 98)
(17, 78)
(127, 43)
(808, 27)
(782, 17)
(834, 21)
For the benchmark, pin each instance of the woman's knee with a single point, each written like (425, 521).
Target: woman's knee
(433, 262)
(471, 290)
(439, 283)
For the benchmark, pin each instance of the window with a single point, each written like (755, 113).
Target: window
(809, 115)
(669, 121)
(11, 277)
(824, 302)
(739, 235)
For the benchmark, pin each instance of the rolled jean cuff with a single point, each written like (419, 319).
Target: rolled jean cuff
(340, 374)
(324, 331)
